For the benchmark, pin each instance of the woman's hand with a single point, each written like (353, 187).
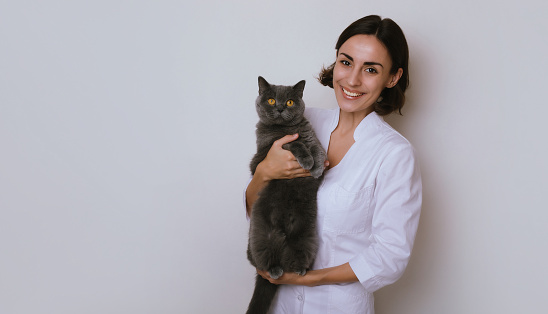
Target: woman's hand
(289, 278)
(332, 275)
(280, 163)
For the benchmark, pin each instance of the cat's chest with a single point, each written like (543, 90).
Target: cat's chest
(266, 136)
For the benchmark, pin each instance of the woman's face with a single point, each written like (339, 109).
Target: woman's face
(362, 71)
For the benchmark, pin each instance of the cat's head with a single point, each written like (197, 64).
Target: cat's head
(278, 104)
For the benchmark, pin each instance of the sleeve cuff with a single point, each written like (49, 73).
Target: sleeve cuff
(363, 271)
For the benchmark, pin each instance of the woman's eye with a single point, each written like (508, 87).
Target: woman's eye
(345, 62)
(290, 103)
(370, 70)
(271, 102)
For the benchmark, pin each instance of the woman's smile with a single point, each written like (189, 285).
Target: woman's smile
(350, 94)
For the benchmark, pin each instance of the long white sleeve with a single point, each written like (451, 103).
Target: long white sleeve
(396, 205)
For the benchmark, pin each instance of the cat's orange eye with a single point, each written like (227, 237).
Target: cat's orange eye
(290, 103)
(271, 101)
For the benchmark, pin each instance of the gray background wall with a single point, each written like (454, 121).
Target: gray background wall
(126, 128)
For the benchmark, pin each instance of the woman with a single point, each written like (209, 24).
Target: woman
(370, 199)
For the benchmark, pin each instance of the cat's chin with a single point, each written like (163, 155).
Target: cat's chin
(280, 120)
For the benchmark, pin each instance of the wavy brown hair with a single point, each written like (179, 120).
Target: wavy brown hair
(392, 37)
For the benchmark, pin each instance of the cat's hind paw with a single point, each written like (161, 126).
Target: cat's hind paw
(302, 272)
(276, 272)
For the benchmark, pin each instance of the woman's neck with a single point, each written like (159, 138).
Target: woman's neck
(349, 121)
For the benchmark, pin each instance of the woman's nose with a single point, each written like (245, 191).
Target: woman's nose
(354, 78)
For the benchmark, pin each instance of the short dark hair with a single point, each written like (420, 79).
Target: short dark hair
(392, 37)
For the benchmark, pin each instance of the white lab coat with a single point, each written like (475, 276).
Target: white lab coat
(368, 213)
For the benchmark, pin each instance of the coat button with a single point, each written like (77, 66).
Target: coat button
(300, 297)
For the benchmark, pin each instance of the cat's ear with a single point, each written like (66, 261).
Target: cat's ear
(299, 88)
(263, 85)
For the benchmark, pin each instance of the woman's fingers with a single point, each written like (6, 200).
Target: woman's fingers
(294, 170)
(280, 163)
(286, 278)
(300, 172)
(263, 273)
(284, 140)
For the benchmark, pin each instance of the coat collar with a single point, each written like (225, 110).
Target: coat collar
(370, 123)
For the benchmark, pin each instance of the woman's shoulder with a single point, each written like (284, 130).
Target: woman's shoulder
(390, 134)
(392, 140)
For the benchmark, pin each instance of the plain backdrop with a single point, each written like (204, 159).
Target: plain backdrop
(126, 129)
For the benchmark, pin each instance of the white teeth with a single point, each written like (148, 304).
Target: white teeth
(351, 94)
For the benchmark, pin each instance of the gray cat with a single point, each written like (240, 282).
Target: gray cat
(282, 234)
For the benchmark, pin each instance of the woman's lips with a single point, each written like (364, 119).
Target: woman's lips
(351, 94)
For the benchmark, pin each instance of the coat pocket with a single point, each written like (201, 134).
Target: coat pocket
(348, 211)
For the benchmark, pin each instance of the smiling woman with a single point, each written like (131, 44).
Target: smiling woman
(385, 37)
(370, 198)
(359, 81)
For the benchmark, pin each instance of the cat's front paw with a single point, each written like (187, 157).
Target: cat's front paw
(276, 272)
(301, 272)
(306, 162)
(317, 172)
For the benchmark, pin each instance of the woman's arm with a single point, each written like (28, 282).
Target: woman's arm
(278, 164)
(338, 274)
(398, 201)
(397, 198)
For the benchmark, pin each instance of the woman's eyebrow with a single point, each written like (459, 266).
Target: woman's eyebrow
(365, 63)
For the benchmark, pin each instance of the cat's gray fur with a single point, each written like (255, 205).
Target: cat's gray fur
(282, 235)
